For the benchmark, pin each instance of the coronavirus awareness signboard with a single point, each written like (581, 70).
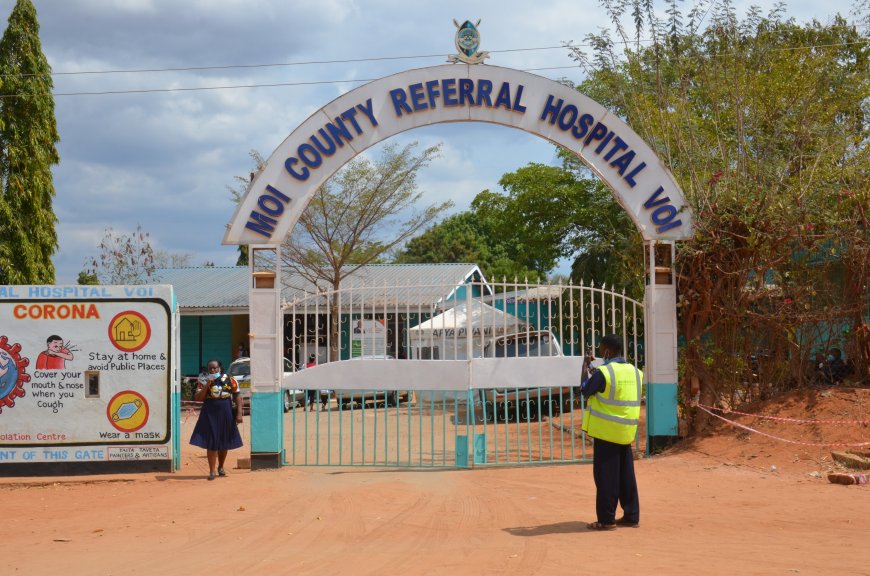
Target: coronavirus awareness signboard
(86, 375)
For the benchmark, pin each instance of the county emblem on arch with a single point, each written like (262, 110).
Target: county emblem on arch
(13, 373)
(467, 42)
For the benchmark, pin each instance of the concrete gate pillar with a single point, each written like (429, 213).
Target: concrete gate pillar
(660, 303)
(267, 359)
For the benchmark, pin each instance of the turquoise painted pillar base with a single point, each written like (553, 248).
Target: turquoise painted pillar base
(661, 415)
(267, 430)
(175, 431)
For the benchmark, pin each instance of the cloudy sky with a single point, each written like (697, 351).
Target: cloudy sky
(164, 159)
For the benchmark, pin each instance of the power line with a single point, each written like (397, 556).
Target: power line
(340, 81)
(202, 88)
(279, 64)
(348, 60)
(358, 60)
(237, 86)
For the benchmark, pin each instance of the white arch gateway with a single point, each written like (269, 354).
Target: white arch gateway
(371, 113)
(350, 124)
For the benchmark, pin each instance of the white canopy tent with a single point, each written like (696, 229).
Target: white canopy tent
(462, 332)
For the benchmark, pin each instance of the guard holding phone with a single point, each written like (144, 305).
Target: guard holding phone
(613, 393)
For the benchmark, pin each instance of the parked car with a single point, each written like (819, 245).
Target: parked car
(346, 398)
(522, 403)
(240, 369)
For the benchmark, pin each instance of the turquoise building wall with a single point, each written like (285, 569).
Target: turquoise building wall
(204, 338)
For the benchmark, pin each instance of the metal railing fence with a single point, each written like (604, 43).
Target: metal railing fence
(436, 375)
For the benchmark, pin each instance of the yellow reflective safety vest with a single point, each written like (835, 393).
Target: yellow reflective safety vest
(613, 414)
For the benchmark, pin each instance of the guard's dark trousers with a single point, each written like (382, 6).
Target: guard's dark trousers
(613, 469)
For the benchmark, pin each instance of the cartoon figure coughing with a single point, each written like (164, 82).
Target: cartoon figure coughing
(55, 355)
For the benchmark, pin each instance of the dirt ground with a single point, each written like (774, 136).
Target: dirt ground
(729, 502)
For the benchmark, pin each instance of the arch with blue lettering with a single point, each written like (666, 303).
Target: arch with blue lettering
(371, 113)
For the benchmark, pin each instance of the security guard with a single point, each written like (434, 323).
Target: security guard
(612, 392)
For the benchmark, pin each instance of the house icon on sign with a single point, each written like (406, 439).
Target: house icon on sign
(127, 331)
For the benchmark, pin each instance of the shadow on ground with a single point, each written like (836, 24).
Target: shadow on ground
(544, 529)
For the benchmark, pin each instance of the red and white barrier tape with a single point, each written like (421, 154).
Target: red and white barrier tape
(753, 430)
(781, 419)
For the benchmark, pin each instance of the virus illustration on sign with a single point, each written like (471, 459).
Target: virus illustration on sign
(12, 373)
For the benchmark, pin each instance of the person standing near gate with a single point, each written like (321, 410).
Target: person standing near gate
(217, 427)
(612, 392)
(311, 394)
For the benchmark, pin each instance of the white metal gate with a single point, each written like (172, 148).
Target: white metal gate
(445, 375)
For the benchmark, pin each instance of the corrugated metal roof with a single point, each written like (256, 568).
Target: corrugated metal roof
(213, 288)
(208, 286)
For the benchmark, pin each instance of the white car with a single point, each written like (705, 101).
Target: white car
(510, 403)
(240, 369)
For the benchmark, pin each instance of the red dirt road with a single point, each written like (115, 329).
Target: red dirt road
(710, 508)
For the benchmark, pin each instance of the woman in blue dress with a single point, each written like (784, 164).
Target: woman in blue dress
(217, 428)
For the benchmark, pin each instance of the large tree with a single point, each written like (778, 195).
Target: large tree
(28, 134)
(457, 238)
(764, 123)
(124, 258)
(535, 213)
(363, 212)
(553, 212)
(130, 259)
(543, 213)
(465, 237)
